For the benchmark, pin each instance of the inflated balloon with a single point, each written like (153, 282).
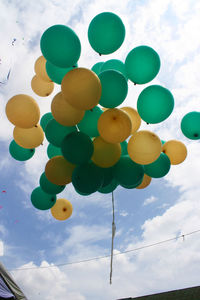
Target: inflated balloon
(42, 200)
(145, 182)
(55, 73)
(105, 154)
(155, 104)
(62, 209)
(109, 188)
(87, 178)
(40, 87)
(190, 125)
(59, 171)
(53, 151)
(29, 138)
(89, 122)
(45, 119)
(175, 150)
(77, 148)
(22, 111)
(48, 187)
(159, 168)
(114, 88)
(106, 33)
(144, 147)
(142, 64)
(55, 132)
(128, 173)
(134, 116)
(107, 176)
(114, 126)
(97, 67)
(81, 88)
(40, 68)
(116, 65)
(61, 46)
(20, 153)
(124, 146)
(64, 113)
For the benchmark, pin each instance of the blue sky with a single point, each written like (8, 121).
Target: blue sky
(167, 208)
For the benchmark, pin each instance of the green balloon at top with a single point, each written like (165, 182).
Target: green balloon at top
(96, 68)
(190, 125)
(61, 46)
(89, 123)
(114, 64)
(142, 64)
(155, 104)
(55, 73)
(106, 33)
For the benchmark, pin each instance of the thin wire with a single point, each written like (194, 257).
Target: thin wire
(106, 256)
(113, 236)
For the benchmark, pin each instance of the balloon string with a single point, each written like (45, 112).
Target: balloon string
(113, 235)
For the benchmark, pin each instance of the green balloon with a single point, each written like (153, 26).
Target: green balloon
(87, 178)
(61, 46)
(42, 200)
(114, 88)
(159, 168)
(107, 176)
(142, 64)
(45, 119)
(162, 141)
(114, 64)
(190, 125)
(53, 151)
(155, 103)
(77, 148)
(108, 188)
(128, 173)
(97, 67)
(49, 187)
(106, 33)
(55, 73)
(88, 124)
(20, 153)
(124, 146)
(132, 186)
(55, 132)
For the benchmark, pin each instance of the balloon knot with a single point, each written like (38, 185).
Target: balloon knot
(73, 66)
(36, 126)
(135, 83)
(147, 123)
(99, 54)
(196, 135)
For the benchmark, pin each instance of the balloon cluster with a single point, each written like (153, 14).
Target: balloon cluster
(92, 143)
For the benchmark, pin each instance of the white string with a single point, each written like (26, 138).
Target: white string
(113, 235)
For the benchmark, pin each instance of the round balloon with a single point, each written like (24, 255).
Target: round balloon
(190, 125)
(116, 65)
(124, 146)
(20, 153)
(29, 138)
(62, 209)
(159, 168)
(89, 122)
(81, 88)
(114, 126)
(40, 87)
(61, 46)
(134, 116)
(53, 151)
(48, 187)
(155, 104)
(45, 119)
(96, 68)
(142, 64)
(145, 182)
(40, 68)
(144, 147)
(114, 88)
(175, 150)
(55, 73)
(22, 111)
(106, 33)
(42, 200)
(108, 188)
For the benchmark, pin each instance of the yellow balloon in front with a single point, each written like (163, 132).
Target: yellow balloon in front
(134, 116)
(175, 150)
(64, 113)
(22, 111)
(28, 138)
(40, 69)
(105, 154)
(62, 209)
(114, 125)
(40, 87)
(144, 147)
(81, 88)
(145, 182)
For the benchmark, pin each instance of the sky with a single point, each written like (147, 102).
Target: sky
(167, 209)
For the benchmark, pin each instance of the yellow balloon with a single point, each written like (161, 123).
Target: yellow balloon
(28, 138)
(175, 150)
(40, 69)
(144, 147)
(59, 171)
(114, 125)
(23, 111)
(64, 113)
(81, 88)
(134, 116)
(145, 182)
(40, 87)
(62, 209)
(105, 154)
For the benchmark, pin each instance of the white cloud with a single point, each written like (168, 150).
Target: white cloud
(1, 248)
(150, 200)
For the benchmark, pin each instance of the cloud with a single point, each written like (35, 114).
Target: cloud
(1, 248)
(150, 200)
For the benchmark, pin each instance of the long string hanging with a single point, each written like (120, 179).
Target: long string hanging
(113, 235)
